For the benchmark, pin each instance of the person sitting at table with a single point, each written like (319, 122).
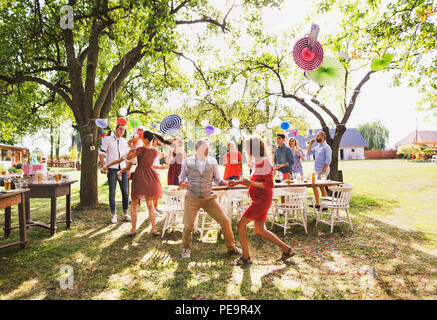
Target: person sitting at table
(232, 162)
(298, 156)
(197, 174)
(322, 155)
(261, 192)
(284, 158)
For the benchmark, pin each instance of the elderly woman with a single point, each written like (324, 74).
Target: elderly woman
(232, 162)
(298, 155)
(261, 192)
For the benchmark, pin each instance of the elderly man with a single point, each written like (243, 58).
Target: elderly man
(197, 174)
(322, 155)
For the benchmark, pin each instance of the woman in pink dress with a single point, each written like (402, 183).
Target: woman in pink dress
(261, 192)
(145, 181)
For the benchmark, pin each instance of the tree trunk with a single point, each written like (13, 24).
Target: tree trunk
(89, 193)
(58, 144)
(334, 143)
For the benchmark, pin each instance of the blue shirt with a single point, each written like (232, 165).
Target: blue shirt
(283, 155)
(323, 155)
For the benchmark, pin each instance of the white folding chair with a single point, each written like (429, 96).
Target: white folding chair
(434, 158)
(204, 222)
(174, 209)
(293, 209)
(341, 196)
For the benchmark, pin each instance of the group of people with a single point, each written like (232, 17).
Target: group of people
(197, 173)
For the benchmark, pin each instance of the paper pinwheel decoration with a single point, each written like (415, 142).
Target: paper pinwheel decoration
(379, 64)
(170, 124)
(329, 73)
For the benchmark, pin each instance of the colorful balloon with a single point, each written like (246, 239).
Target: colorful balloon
(260, 128)
(285, 125)
(235, 123)
(209, 130)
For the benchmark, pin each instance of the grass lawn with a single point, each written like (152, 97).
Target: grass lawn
(391, 254)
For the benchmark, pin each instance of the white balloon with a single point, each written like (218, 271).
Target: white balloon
(260, 127)
(204, 123)
(269, 125)
(276, 122)
(123, 112)
(217, 131)
(236, 122)
(227, 136)
(235, 132)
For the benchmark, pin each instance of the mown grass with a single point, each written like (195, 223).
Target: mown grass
(391, 254)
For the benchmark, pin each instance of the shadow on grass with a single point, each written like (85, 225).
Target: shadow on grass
(107, 264)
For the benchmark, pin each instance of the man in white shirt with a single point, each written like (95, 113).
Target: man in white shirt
(197, 174)
(113, 147)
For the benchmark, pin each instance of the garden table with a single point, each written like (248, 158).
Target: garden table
(7, 200)
(50, 190)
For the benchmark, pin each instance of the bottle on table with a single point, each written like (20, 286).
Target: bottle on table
(313, 179)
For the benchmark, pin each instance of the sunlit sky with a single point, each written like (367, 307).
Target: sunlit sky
(394, 107)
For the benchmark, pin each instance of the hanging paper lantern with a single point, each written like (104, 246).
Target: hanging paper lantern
(134, 123)
(170, 124)
(379, 64)
(329, 73)
(285, 125)
(204, 123)
(123, 112)
(276, 122)
(102, 123)
(235, 132)
(305, 58)
(209, 130)
(235, 123)
(122, 121)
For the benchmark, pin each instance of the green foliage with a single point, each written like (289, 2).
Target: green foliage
(375, 133)
(408, 150)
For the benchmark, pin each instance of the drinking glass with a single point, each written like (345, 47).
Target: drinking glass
(7, 184)
(323, 176)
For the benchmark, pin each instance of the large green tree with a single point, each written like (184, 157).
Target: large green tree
(375, 133)
(87, 65)
(373, 27)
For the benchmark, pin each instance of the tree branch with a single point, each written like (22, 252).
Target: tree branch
(195, 66)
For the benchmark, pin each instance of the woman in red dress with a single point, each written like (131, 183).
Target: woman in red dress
(145, 181)
(174, 161)
(261, 192)
(232, 161)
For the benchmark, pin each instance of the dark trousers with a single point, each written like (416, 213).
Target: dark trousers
(124, 187)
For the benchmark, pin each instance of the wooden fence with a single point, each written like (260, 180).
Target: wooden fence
(380, 154)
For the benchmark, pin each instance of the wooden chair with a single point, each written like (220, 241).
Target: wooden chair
(174, 209)
(204, 222)
(293, 209)
(341, 196)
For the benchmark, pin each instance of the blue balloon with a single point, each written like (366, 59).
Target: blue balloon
(285, 125)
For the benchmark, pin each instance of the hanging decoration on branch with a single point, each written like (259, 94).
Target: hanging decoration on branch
(170, 124)
(102, 123)
(235, 132)
(329, 73)
(134, 124)
(204, 123)
(285, 125)
(209, 130)
(123, 112)
(235, 123)
(308, 52)
(260, 128)
(379, 64)
(122, 121)
(276, 122)
(294, 132)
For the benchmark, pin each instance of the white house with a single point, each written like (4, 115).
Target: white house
(351, 146)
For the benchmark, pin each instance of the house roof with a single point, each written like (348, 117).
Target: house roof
(419, 136)
(351, 138)
(6, 146)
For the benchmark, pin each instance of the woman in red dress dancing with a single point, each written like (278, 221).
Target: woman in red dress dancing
(145, 181)
(261, 192)
(174, 161)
